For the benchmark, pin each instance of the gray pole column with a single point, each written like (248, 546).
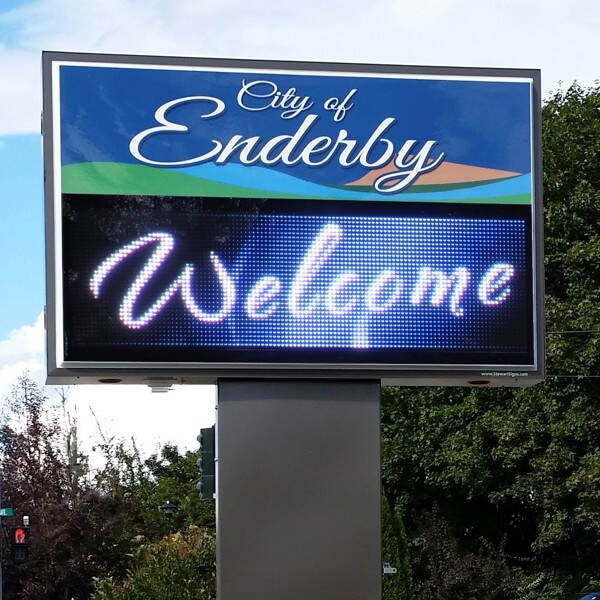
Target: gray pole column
(298, 490)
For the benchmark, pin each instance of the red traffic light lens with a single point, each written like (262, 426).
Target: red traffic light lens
(20, 536)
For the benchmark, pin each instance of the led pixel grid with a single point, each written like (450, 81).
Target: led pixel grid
(269, 281)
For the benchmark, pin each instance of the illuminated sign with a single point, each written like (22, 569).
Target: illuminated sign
(239, 219)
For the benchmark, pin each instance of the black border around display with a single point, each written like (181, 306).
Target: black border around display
(89, 220)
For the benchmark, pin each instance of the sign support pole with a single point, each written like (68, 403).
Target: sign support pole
(298, 490)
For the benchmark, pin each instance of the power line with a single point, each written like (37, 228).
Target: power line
(574, 331)
(573, 376)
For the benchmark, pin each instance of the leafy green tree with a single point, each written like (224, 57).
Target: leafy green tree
(38, 482)
(173, 476)
(177, 567)
(520, 470)
(128, 494)
(395, 552)
(87, 525)
(555, 427)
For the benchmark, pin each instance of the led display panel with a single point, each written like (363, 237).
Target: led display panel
(212, 219)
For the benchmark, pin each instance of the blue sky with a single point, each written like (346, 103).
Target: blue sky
(557, 36)
(22, 227)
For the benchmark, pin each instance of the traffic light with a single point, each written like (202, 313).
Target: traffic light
(206, 462)
(19, 548)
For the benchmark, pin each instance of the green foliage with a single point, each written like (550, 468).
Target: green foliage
(172, 476)
(93, 525)
(395, 552)
(177, 567)
(39, 473)
(446, 570)
(515, 475)
(132, 492)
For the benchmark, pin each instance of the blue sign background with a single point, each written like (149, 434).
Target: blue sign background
(478, 123)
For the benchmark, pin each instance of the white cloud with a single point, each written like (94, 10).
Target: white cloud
(22, 351)
(20, 92)
(558, 36)
(134, 412)
(123, 412)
